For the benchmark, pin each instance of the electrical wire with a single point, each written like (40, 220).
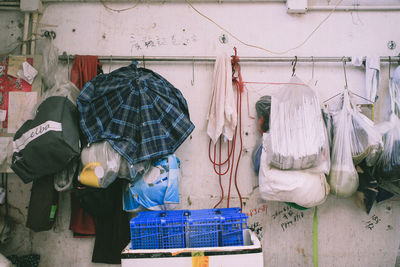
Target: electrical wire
(260, 47)
(120, 10)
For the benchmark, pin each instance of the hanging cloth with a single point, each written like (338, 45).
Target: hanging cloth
(372, 77)
(222, 115)
(84, 69)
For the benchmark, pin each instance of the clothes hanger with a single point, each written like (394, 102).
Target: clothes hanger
(346, 87)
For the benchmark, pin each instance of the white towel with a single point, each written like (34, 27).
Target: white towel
(372, 77)
(222, 116)
(357, 60)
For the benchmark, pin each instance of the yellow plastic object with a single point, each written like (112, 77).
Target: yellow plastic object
(91, 174)
(199, 260)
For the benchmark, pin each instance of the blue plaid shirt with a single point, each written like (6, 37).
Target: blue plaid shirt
(140, 113)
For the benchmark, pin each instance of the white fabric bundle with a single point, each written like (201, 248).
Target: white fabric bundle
(302, 187)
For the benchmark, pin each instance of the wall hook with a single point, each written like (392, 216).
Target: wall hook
(390, 63)
(345, 75)
(294, 66)
(192, 81)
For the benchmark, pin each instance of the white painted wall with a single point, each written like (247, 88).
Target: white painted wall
(177, 30)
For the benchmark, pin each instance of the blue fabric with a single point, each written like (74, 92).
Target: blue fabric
(158, 195)
(137, 111)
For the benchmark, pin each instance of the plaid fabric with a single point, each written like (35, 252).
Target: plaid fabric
(140, 113)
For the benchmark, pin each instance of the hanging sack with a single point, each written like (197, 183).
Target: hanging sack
(302, 187)
(49, 142)
(43, 205)
(343, 177)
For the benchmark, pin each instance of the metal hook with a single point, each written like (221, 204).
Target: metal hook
(294, 66)
(144, 64)
(345, 75)
(69, 73)
(390, 62)
(192, 81)
(109, 69)
(312, 72)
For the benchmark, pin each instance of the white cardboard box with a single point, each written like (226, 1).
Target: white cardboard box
(237, 256)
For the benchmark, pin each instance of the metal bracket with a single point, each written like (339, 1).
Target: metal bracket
(49, 34)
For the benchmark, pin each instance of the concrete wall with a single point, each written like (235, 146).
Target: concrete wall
(347, 235)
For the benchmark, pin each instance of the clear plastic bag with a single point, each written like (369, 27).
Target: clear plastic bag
(343, 177)
(66, 89)
(63, 179)
(366, 141)
(298, 134)
(50, 64)
(389, 161)
(101, 165)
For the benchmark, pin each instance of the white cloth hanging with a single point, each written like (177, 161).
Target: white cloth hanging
(372, 76)
(222, 115)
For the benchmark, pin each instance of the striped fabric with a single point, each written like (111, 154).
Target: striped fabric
(140, 113)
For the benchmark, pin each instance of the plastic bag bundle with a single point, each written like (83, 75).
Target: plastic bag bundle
(343, 177)
(303, 187)
(100, 165)
(298, 134)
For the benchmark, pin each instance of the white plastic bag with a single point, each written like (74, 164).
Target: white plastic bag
(304, 188)
(298, 134)
(100, 165)
(343, 177)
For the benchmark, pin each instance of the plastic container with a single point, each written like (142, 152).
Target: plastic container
(188, 228)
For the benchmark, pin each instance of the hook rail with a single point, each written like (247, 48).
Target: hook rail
(314, 59)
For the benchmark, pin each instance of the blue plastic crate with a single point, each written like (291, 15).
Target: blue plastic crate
(203, 230)
(145, 232)
(232, 226)
(158, 229)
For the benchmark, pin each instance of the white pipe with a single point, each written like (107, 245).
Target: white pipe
(35, 16)
(25, 34)
(354, 8)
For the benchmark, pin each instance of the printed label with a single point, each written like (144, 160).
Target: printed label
(34, 133)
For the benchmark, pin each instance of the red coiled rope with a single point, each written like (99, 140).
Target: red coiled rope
(231, 152)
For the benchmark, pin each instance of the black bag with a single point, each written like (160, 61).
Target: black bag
(43, 205)
(48, 143)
